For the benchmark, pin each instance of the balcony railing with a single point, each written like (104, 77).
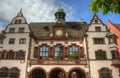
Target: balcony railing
(57, 62)
(116, 62)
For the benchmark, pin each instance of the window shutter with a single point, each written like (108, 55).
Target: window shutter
(81, 52)
(36, 52)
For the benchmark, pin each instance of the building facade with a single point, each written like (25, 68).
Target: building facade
(58, 49)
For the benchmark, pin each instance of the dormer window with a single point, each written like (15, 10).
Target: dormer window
(18, 21)
(15, 21)
(46, 28)
(98, 29)
(96, 21)
(12, 30)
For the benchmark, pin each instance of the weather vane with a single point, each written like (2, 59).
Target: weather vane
(60, 3)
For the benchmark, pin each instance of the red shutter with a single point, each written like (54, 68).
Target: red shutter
(36, 52)
(81, 52)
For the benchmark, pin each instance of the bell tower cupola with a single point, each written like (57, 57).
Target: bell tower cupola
(60, 15)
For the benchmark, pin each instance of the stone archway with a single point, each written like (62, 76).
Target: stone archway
(76, 73)
(57, 73)
(37, 73)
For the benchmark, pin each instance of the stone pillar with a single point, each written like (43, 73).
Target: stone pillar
(66, 52)
(51, 52)
(47, 75)
(67, 75)
(119, 71)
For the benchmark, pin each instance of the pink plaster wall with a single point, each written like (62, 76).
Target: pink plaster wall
(113, 28)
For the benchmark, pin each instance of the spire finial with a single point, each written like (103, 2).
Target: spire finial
(20, 13)
(21, 10)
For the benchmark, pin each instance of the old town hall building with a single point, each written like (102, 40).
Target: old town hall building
(58, 49)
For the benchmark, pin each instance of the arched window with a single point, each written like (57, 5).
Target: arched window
(105, 73)
(59, 52)
(57, 73)
(38, 73)
(44, 51)
(4, 72)
(14, 73)
(73, 74)
(73, 52)
(76, 73)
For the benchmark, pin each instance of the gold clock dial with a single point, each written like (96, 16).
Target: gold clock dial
(59, 32)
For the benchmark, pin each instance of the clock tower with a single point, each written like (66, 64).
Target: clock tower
(59, 28)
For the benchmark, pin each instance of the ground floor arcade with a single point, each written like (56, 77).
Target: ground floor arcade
(57, 72)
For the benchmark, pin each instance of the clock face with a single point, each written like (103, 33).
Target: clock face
(59, 32)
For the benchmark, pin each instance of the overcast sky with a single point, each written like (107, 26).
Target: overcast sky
(43, 11)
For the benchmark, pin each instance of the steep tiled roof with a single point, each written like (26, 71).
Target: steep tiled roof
(42, 30)
(109, 34)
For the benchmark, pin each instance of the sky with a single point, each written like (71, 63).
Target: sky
(43, 11)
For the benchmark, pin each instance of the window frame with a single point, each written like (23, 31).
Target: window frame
(15, 21)
(10, 55)
(22, 41)
(20, 55)
(21, 30)
(6, 72)
(73, 51)
(18, 21)
(114, 54)
(98, 29)
(12, 41)
(11, 30)
(43, 51)
(111, 40)
(13, 72)
(109, 71)
(2, 55)
(100, 55)
(98, 41)
(58, 52)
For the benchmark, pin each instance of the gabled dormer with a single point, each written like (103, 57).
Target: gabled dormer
(19, 19)
(18, 24)
(96, 25)
(96, 20)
